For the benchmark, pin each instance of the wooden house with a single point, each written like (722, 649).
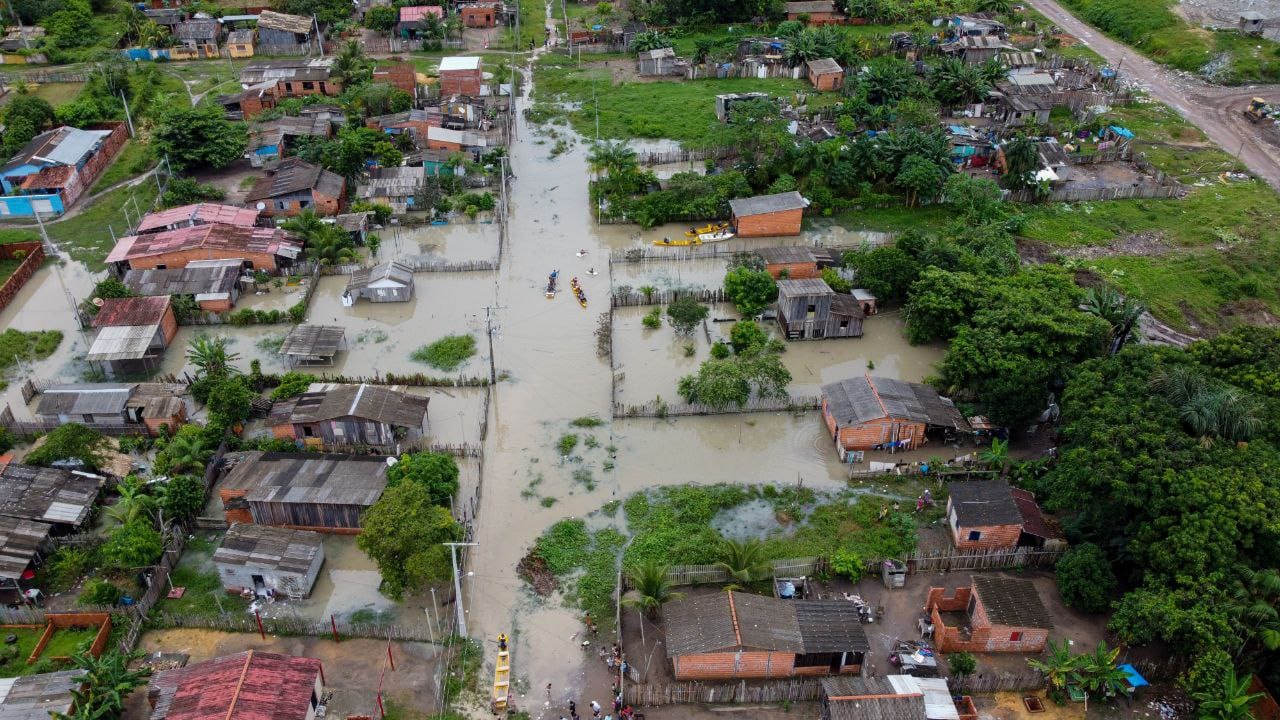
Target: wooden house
(295, 186)
(34, 697)
(460, 75)
(825, 74)
(312, 344)
(283, 32)
(386, 282)
(1019, 110)
(197, 214)
(214, 285)
(268, 561)
(23, 543)
(396, 187)
(658, 61)
(992, 515)
(304, 491)
(144, 407)
(251, 685)
(811, 310)
(334, 417)
(63, 499)
(816, 12)
(480, 14)
(994, 614)
(766, 215)
(880, 413)
(976, 49)
(133, 334)
(257, 248)
(196, 39)
(166, 17)
(797, 262)
(735, 635)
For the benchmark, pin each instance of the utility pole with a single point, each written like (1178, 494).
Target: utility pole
(488, 325)
(128, 118)
(568, 36)
(22, 32)
(457, 585)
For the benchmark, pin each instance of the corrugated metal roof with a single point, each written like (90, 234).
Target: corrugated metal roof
(368, 402)
(870, 698)
(1011, 601)
(34, 697)
(824, 66)
(393, 271)
(938, 704)
(983, 503)
(144, 310)
(199, 277)
(74, 146)
(1033, 520)
(451, 64)
(830, 626)
(803, 287)
(294, 175)
(283, 21)
(122, 342)
(50, 495)
(723, 621)
(84, 399)
(313, 341)
(860, 399)
(314, 478)
(20, 539)
(224, 241)
(268, 548)
(762, 204)
(198, 214)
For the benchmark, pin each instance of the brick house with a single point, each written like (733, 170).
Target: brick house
(258, 248)
(879, 413)
(398, 75)
(295, 186)
(480, 15)
(810, 310)
(414, 19)
(460, 76)
(251, 685)
(198, 214)
(766, 215)
(342, 416)
(994, 614)
(133, 334)
(735, 635)
(992, 515)
(819, 12)
(796, 262)
(214, 285)
(56, 167)
(825, 74)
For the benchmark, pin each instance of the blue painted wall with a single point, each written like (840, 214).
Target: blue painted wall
(20, 205)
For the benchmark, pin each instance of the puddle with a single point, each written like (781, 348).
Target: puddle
(751, 520)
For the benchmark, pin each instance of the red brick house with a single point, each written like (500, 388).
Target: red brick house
(398, 75)
(879, 413)
(818, 12)
(994, 614)
(991, 515)
(258, 248)
(734, 635)
(133, 334)
(825, 74)
(460, 76)
(198, 214)
(479, 15)
(295, 186)
(796, 262)
(250, 685)
(766, 215)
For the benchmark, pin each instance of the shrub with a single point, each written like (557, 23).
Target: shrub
(567, 443)
(68, 442)
(961, 663)
(848, 563)
(653, 319)
(292, 384)
(448, 353)
(131, 546)
(99, 592)
(1085, 579)
(65, 566)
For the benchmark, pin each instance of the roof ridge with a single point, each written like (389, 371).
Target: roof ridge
(876, 392)
(733, 614)
(892, 696)
(244, 672)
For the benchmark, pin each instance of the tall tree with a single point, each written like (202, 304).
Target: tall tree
(211, 357)
(402, 533)
(200, 136)
(651, 588)
(1022, 161)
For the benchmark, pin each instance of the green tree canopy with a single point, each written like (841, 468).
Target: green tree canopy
(437, 472)
(685, 314)
(402, 533)
(750, 291)
(198, 137)
(132, 546)
(71, 441)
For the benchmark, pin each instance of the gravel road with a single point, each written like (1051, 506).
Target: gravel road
(1214, 109)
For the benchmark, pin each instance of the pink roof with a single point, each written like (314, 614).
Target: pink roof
(251, 685)
(201, 213)
(123, 312)
(223, 242)
(413, 13)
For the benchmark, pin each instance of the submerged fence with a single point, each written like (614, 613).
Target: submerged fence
(665, 297)
(698, 574)
(662, 409)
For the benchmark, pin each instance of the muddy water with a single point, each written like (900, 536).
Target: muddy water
(455, 243)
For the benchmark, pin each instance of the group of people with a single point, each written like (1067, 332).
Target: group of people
(620, 711)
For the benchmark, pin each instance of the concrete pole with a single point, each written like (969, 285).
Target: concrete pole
(457, 585)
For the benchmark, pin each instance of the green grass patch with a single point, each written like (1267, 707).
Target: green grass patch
(69, 641)
(204, 594)
(86, 236)
(587, 421)
(13, 657)
(566, 443)
(134, 159)
(679, 110)
(16, 235)
(7, 268)
(448, 353)
(895, 219)
(19, 345)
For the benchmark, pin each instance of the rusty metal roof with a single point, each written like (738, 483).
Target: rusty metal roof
(251, 685)
(269, 548)
(309, 478)
(198, 214)
(145, 310)
(50, 495)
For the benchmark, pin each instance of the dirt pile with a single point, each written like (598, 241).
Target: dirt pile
(533, 570)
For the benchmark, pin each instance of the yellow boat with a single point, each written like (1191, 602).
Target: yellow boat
(685, 242)
(708, 228)
(501, 677)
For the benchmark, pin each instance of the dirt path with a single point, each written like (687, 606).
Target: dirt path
(1214, 109)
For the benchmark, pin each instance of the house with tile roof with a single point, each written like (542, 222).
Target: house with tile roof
(250, 685)
(56, 167)
(992, 515)
(257, 248)
(197, 214)
(994, 613)
(880, 413)
(331, 416)
(295, 186)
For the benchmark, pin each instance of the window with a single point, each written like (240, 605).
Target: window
(88, 419)
(162, 267)
(304, 203)
(282, 204)
(308, 86)
(1015, 636)
(844, 324)
(308, 431)
(975, 535)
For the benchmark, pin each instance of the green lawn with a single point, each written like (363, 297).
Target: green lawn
(204, 593)
(15, 235)
(86, 235)
(68, 642)
(675, 109)
(134, 159)
(15, 655)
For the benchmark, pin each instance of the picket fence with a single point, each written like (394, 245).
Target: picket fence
(293, 625)
(998, 682)
(1098, 194)
(741, 692)
(699, 574)
(419, 264)
(662, 409)
(665, 297)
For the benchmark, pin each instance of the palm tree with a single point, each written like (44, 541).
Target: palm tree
(1231, 702)
(802, 48)
(351, 67)
(211, 358)
(134, 502)
(1256, 597)
(1121, 312)
(1060, 667)
(650, 40)
(186, 452)
(958, 83)
(613, 157)
(744, 560)
(1099, 673)
(996, 456)
(1208, 409)
(999, 7)
(1022, 159)
(104, 682)
(651, 587)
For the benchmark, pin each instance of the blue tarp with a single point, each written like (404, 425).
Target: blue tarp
(958, 129)
(1122, 132)
(1132, 676)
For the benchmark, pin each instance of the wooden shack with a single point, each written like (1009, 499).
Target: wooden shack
(312, 345)
(810, 310)
(265, 560)
(304, 491)
(351, 416)
(765, 215)
(796, 262)
(386, 282)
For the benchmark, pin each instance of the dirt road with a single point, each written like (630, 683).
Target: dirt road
(1214, 109)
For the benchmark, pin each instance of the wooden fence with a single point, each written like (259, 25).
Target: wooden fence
(1097, 194)
(712, 252)
(998, 682)
(43, 76)
(664, 157)
(661, 409)
(698, 574)
(414, 380)
(951, 559)
(278, 317)
(665, 297)
(419, 264)
(293, 625)
(159, 586)
(741, 692)
(748, 69)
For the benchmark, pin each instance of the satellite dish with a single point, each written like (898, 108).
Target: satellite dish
(261, 206)
(99, 302)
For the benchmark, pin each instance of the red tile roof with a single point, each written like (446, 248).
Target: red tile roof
(53, 176)
(122, 312)
(246, 686)
(1033, 520)
(223, 242)
(201, 213)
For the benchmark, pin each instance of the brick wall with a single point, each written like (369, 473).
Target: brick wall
(442, 145)
(826, 81)
(399, 75)
(479, 16)
(215, 305)
(820, 18)
(746, 664)
(460, 82)
(783, 222)
(180, 258)
(992, 537)
(983, 636)
(173, 422)
(97, 164)
(795, 271)
(868, 435)
(168, 325)
(34, 257)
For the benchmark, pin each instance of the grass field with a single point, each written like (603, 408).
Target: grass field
(54, 93)
(86, 236)
(134, 159)
(679, 110)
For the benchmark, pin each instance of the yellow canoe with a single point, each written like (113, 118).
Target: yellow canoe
(668, 242)
(501, 681)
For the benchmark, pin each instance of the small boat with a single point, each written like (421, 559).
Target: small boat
(578, 293)
(501, 677)
(551, 283)
(694, 232)
(668, 242)
(717, 236)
